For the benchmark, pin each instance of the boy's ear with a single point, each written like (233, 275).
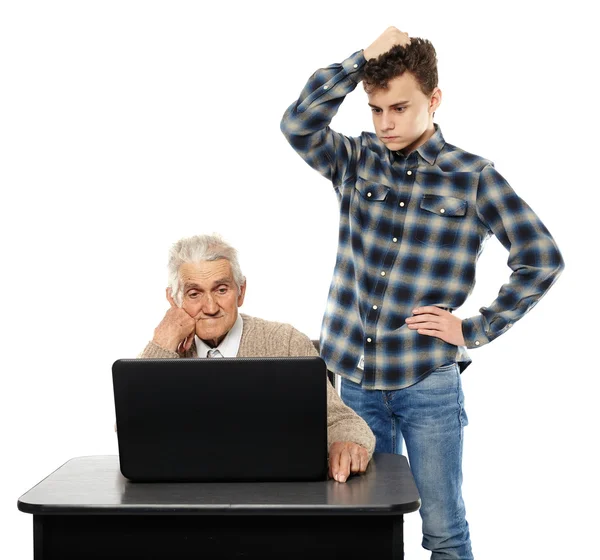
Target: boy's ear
(435, 100)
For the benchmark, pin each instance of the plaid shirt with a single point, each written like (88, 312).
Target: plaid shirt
(411, 229)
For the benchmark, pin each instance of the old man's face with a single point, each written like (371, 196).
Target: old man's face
(211, 296)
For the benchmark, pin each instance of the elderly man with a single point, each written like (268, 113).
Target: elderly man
(206, 288)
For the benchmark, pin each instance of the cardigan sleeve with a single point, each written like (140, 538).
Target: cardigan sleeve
(153, 350)
(343, 424)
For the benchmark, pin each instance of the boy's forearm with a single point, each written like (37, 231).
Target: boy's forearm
(534, 258)
(306, 122)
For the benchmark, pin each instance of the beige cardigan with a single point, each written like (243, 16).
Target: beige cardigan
(262, 338)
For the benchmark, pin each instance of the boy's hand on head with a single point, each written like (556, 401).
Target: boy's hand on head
(434, 321)
(388, 39)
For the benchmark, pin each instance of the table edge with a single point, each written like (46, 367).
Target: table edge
(222, 509)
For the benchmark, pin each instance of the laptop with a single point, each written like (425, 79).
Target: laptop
(223, 419)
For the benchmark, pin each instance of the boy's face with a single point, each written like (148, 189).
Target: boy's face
(403, 114)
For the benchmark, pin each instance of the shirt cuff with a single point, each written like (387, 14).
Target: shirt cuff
(474, 332)
(354, 66)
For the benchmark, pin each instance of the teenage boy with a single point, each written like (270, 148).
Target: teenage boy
(414, 213)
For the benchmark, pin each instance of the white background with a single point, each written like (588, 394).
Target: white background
(127, 125)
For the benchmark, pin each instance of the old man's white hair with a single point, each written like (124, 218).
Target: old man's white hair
(197, 249)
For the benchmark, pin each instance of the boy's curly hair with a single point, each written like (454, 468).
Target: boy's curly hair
(418, 58)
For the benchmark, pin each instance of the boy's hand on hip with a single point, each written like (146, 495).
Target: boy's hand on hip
(388, 39)
(434, 321)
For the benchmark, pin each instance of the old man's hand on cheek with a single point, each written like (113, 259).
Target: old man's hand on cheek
(176, 330)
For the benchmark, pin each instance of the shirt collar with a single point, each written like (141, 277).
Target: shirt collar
(430, 150)
(229, 345)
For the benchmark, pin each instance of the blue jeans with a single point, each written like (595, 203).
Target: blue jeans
(429, 416)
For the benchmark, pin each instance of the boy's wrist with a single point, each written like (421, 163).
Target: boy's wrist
(474, 332)
(354, 66)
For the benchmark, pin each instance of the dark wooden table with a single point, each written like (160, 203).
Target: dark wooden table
(87, 510)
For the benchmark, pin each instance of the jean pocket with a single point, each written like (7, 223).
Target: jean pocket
(442, 379)
(439, 220)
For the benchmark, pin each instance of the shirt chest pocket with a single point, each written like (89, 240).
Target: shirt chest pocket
(369, 202)
(439, 220)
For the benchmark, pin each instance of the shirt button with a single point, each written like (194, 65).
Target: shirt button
(369, 340)
(409, 172)
(382, 273)
(374, 307)
(356, 66)
(477, 343)
(442, 210)
(395, 240)
(325, 87)
(402, 204)
(369, 194)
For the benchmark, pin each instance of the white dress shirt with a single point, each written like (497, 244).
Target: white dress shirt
(229, 345)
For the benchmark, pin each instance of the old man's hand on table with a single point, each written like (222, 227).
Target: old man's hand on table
(345, 458)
